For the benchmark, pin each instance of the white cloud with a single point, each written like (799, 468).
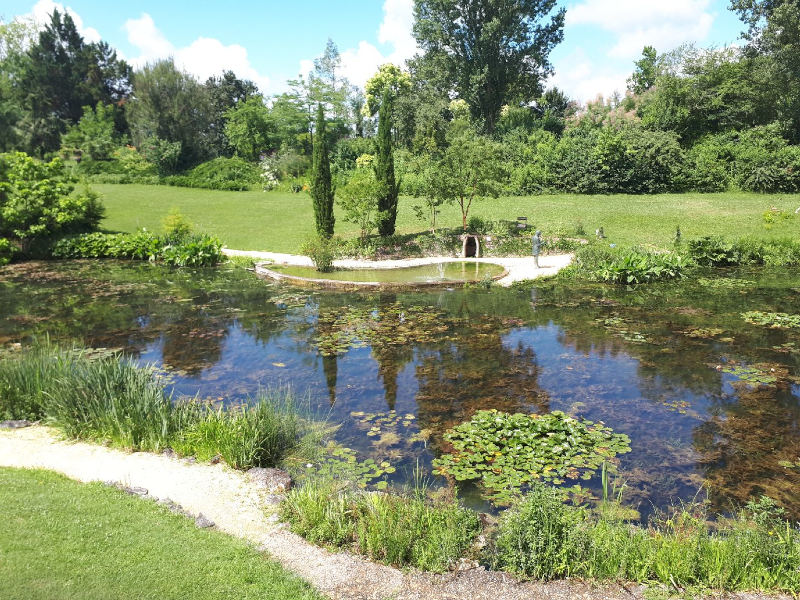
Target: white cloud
(637, 23)
(578, 76)
(203, 58)
(41, 11)
(361, 63)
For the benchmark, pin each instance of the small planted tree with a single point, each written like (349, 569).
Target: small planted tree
(322, 191)
(359, 199)
(388, 187)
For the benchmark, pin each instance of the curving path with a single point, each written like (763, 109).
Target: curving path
(519, 268)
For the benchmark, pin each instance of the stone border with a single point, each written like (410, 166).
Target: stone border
(263, 271)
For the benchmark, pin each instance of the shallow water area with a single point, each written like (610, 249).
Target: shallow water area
(710, 401)
(444, 272)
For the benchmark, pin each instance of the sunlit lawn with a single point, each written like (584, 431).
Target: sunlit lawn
(72, 541)
(280, 222)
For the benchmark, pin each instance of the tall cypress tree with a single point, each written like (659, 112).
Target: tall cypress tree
(388, 187)
(321, 186)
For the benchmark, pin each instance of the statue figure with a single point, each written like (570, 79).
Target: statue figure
(536, 247)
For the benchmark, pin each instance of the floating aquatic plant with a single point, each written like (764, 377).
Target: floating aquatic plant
(772, 320)
(751, 375)
(507, 452)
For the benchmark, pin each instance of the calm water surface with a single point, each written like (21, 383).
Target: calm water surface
(673, 367)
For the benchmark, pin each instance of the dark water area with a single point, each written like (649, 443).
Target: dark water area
(710, 402)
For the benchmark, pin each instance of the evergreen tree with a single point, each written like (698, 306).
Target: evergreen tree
(384, 171)
(321, 186)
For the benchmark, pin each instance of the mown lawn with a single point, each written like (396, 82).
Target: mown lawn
(72, 541)
(280, 222)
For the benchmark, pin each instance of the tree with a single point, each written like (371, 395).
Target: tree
(645, 73)
(490, 52)
(359, 199)
(169, 104)
(59, 75)
(470, 168)
(224, 93)
(37, 200)
(322, 191)
(773, 36)
(390, 79)
(94, 135)
(250, 129)
(388, 187)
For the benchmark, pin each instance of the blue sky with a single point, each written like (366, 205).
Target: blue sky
(269, 41)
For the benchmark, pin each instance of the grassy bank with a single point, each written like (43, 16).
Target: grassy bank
(62, 539)
(109, 400)
(280, 222)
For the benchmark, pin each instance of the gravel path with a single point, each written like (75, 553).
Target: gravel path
(239, 507)
(519, 268)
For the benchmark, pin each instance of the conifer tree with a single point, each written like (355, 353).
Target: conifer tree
(388, 188)
(321, 186)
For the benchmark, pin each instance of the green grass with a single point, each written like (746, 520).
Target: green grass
(280, 222)
(72, 541)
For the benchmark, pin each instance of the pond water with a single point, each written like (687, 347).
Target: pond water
(707, 398)
(459, 271)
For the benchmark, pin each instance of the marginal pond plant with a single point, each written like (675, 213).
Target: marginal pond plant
(507, 453)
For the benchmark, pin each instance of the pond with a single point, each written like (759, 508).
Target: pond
(710, 401)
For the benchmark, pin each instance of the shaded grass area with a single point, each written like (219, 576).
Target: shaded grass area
(72, 541)
(107, 399)
(280, 221)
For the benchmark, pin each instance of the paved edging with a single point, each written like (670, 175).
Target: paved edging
(519, 268)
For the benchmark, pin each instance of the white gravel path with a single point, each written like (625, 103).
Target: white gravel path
(240, 508)
(519, 268)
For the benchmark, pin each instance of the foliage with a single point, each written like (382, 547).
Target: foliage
(755, 549)
(322, 188)
(115, 533)
(231, 174)
(94, 135)
(772, 320)
(390, 82)
(170, 105)
(197, 250)
(507, 453)
(161, 153)
(400, 530)
(498, 58)
(322, 251)
(58, 75)
(38, 200)
(629, 266)
(7, 251)
(250, 129)
(224, 94)
(388, 188)
(644, 76)
(359, 200)
(540, 537)
(176, 226)
(260, 433)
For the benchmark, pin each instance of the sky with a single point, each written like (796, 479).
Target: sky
(270, 41)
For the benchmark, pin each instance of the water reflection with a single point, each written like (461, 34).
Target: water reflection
(654, 363)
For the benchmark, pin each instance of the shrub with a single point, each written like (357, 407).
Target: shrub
(176, 226)
(540, 537)
(7, 251)
(401, 530)
(232, 174)
(189, 251)
(713, 252)
(322, 252)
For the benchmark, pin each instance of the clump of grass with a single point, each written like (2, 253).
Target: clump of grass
(262, 433)
(407, 529)
(27, 377)
(757, 548)
(111, 400)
